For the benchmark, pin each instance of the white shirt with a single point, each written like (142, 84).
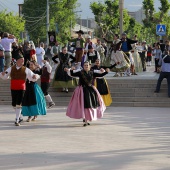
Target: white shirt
(7, 43)
(93, 45)
(40, 51)
(47, 65)
(28, 73)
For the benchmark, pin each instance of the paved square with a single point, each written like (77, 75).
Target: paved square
(124, 139)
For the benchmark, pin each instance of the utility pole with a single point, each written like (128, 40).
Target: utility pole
(121, 7)
(48, 24)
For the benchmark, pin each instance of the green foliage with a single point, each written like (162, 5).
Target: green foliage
(160, 17)
(61, 13)
(107, 17)
(11, 23)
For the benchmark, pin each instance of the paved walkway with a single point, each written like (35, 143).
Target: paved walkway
(124, 139)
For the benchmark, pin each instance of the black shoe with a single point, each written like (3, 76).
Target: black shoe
(17, 123)
(156, 91)
(66, 91)
(88, 123)
(20, 120)
(84, 120)
(84, 124)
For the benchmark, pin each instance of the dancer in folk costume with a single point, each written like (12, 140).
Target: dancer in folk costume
(86, 102)
(137, 59)
(79, 46)
(33, 103)
(92, 55)
(101, 50)
(101, 83)
(126, 48)
(117, 56)
(18, 74)
(61, 78)
(45, 80)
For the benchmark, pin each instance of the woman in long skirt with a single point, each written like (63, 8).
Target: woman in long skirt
(86, 102)
(101, 83)
(61, 78)
(33, 102)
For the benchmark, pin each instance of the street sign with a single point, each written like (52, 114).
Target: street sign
(161, 30)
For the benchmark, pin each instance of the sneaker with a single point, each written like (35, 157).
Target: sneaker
(51, 104)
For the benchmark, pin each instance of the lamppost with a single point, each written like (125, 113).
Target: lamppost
(121, 7)
(48, 20)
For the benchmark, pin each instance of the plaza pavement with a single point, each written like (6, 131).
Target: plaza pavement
(127, 138)
(124, 139)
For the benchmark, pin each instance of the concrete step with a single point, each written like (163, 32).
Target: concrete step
(140, 104)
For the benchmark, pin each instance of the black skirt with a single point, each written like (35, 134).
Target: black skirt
(101, 86)
(90, 97)
(29, 96)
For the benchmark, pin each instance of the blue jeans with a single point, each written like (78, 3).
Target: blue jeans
(2, 64)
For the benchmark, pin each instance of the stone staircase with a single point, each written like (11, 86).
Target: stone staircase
(125, 92)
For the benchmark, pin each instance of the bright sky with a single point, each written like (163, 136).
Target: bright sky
(131, 5)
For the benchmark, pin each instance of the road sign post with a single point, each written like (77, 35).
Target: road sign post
(161, 30)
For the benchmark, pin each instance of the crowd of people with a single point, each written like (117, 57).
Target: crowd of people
(81, 58)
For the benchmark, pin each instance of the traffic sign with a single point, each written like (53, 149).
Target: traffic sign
(161, 29)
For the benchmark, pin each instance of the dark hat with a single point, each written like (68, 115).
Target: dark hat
(46, 58)
(124, 33)
(90, 47)
(19, 56)
(80, 32)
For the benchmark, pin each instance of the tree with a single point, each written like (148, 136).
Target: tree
(61, 13)
(153, 18)
(107, 16)
(11, 23)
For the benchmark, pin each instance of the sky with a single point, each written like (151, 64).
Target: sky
(130, 5)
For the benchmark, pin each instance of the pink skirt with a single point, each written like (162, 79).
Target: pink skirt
(76, 108)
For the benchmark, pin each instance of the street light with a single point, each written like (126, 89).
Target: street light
(121, 6)
(48, 22)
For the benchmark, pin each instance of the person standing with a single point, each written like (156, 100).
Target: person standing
(157, 53)
(143, 55)
(101, 50)
(101, 83)
(45, 81)
(55, 50)
(40, 54)
(79, 46)
(86, 103)
(92, 55)
(33, 103)
(165, 72)
(6, 42)
(149, 56)
(1, 58)
(61, 79)
(18, 74)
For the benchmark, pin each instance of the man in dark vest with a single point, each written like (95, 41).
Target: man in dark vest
(18, 74)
